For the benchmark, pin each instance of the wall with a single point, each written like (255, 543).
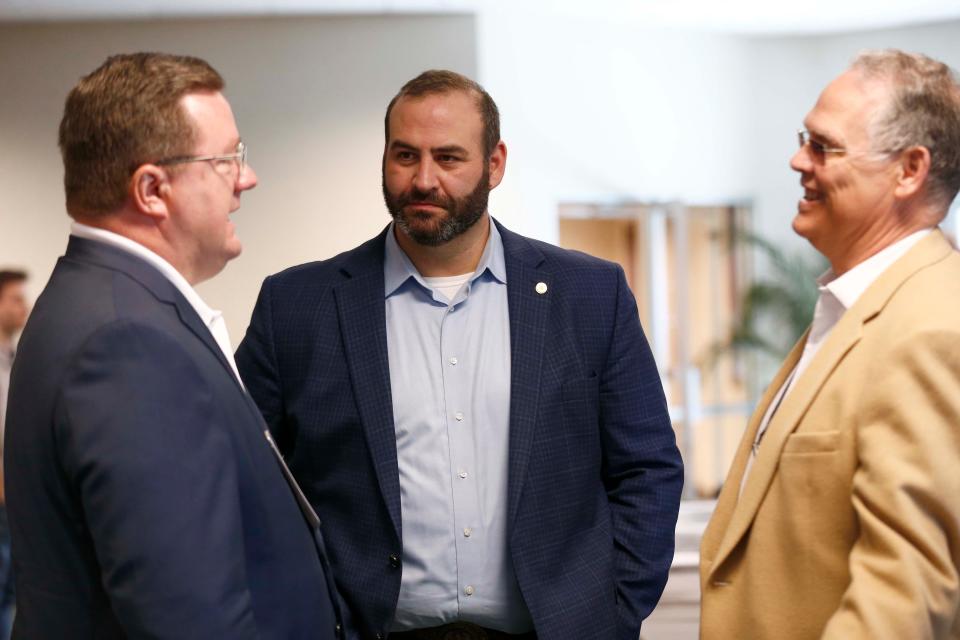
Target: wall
(309, 96)
(597, 110)
(593, 109)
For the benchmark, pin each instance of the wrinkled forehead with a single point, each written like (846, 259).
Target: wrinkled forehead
(847, 107)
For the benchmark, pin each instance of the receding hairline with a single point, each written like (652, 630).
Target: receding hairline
(419, 97)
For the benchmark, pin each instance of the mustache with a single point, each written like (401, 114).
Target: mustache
(423, 197)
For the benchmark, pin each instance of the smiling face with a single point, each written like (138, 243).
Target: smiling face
(848, 198)
(436, 179)
(205, 193)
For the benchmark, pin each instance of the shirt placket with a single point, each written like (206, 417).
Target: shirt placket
(458, 390)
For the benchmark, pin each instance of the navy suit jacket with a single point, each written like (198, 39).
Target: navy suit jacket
(594, 472)
(144, 499)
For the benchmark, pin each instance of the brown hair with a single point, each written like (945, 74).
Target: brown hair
(923, 110)
(441, 81)
(10, 276)
(124, 114)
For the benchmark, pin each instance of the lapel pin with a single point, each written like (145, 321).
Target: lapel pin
(541, 288)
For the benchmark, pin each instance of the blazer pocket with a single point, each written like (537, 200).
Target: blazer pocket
(581, 389)
(812, 442)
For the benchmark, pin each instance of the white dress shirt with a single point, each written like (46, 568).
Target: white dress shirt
(212, 318)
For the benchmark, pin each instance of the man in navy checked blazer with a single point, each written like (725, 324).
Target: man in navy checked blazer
(475, 415)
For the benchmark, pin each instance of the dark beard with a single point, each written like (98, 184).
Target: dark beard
(462, 213)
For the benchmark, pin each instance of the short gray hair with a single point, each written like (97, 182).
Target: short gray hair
(923, 109)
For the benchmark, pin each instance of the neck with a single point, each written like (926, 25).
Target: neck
(458, 256)
(6, 339)
(846, 251)
(859, 252)
(146, 232)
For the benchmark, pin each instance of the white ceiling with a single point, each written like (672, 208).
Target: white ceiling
(738, 16)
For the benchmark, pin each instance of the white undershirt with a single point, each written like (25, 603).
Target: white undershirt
(212, 318)
(449, 286)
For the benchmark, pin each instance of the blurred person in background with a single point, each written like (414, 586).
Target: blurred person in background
(13, 316)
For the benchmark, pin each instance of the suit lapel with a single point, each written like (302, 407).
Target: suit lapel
(718, 529)
(844, 337)
(529, 310)
(363, 326)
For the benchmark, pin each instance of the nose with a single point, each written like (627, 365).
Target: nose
(801, 160)
(426, 177)
(247, 179)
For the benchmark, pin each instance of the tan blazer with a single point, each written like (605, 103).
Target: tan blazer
(849, 523)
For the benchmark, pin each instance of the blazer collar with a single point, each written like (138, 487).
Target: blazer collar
(734, 515)
(138, 269)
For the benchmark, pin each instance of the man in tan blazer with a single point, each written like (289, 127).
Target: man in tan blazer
(840, 517)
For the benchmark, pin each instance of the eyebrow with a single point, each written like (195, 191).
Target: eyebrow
(449, 148)
(824, 138)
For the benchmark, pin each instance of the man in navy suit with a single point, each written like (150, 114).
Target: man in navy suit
(475, 415)
(146, 499)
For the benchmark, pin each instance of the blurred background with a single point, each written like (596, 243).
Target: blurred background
(655, 133)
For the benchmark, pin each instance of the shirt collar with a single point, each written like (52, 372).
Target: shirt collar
(851, 285)
(398, 268)
(97, 234)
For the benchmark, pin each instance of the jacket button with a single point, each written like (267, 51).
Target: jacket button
(394, 561)
(379, 636)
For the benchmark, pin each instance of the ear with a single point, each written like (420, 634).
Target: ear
(912, 174)
(497, 164)
(150, 189)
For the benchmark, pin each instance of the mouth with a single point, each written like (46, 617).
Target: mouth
(425, 205)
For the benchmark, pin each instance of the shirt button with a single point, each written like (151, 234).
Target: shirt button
(459, 416)
(468, 590)
(462, 474)
(467, 532)
(454, 360)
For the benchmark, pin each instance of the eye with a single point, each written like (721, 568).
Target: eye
(447, 158)
(404, 156)
(225, 166)
(817, 147)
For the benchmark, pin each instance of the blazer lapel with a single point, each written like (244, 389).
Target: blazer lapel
(844, 336)
(841, 340)
(529, 307)
(363, 326)
(719, 525)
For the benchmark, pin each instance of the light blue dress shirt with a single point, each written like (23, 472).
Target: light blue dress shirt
(450, 382)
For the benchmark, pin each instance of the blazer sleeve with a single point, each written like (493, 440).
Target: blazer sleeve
(906, 496)
(144, 446)
(642, 468)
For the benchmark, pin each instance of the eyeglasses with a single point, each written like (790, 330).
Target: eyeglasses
(803, 137)
(238, 157)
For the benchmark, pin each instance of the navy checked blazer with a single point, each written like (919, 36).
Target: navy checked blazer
(594, 472)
